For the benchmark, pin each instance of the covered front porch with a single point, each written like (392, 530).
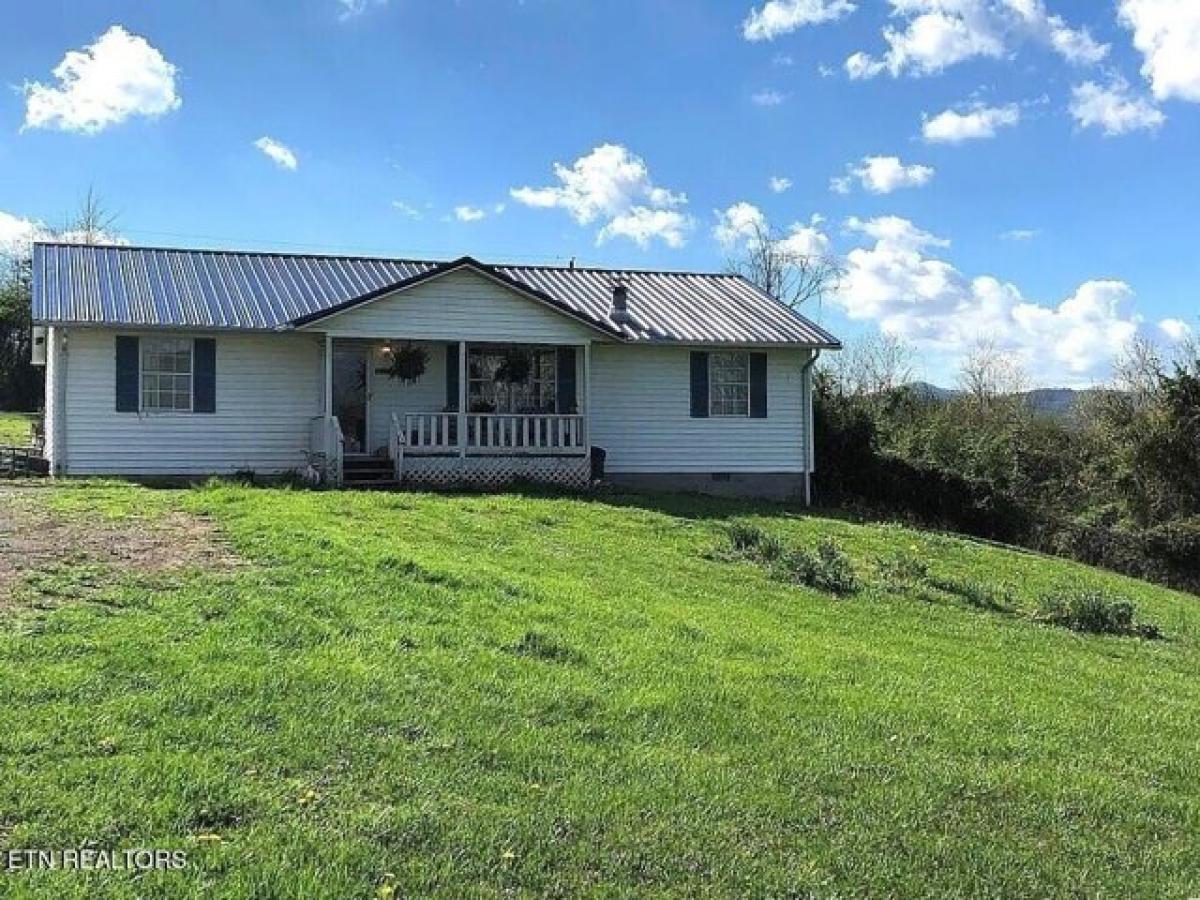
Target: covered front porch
(443, 413)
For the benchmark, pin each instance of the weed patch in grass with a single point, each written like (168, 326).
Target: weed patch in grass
(826, 568)
(1094, 612)
(539, 645)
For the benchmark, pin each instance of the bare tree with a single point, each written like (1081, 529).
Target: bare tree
(769, 260)
(988, 374)
(872, 365)
(92, 223)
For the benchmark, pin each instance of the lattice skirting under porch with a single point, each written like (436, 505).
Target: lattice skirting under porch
(495, 472)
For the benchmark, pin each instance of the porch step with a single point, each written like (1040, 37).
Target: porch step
(368, 472)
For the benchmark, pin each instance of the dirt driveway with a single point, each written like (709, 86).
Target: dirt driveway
(35, 538)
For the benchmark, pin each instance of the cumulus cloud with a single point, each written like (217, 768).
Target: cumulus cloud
(118, 76)
(937, 34)
(1114, 108)
(780, 184)
(743, 221)
(1167, 32)
(778, 17)
(16, 234)
(278, 153)
(882, 175)
(972, 124)
(469, 213)
(899, 283)
(613, 186)
(1176, 330)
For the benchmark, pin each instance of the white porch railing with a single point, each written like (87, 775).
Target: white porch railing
(501, 434)
(327, 445)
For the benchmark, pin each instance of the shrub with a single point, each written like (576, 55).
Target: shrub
(827, 568)
(750, 540)
(902, 568)
(1093, 612)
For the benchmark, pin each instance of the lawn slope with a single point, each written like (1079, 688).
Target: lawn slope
(523, 696)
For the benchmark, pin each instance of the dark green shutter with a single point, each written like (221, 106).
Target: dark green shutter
(699, 385)
(204, 376)
(758, 385)
(452, 378)
(127, 374)
(565, 385)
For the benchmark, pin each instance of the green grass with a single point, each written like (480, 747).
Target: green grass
(523, 696)
(14, 428)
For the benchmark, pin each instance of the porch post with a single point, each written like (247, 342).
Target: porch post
(462, 398)
(328, 375)
(587, 395)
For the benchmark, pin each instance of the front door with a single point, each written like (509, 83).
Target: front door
(350, 366)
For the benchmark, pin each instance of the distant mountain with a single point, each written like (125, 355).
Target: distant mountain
(1051, 401)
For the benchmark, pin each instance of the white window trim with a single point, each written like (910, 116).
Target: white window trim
(712, 383)
(143, 346)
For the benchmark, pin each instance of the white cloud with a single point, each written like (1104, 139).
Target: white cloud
(742, 221)
(16, 234)
(780, 184)
(105, 83)
(1176, 330)
(1167, 32)
(973, 124)
(882, 175)
(1020, 234)
(612, 185)
(1114, 108)
(768, 97)
(897, 284)
(779, 17)
(407, 209)
(278, 153)
(352, 8)
(469, 213)
(937, 34)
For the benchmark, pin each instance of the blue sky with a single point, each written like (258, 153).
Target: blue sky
(1019, 170)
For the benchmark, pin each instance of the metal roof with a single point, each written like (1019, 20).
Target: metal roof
(157, 287)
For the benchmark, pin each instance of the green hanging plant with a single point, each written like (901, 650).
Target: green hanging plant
(515, 366)
(408, 363)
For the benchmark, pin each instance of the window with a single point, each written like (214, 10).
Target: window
(729, 384)
(166, 375)
(535, 394)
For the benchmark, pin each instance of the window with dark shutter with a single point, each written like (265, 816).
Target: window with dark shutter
(452, 377)
(128, 357)
(758, 385)
(567, 401)
(204, 383)
(699, 385)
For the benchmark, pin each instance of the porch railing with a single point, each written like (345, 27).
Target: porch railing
(496, 433)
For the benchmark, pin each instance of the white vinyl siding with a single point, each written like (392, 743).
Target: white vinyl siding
(461, 305)
(641, 414)
(268, 390)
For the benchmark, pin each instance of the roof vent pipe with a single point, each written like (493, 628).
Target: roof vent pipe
(620, 303)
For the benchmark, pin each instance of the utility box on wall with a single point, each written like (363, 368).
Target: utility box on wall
(38, 350)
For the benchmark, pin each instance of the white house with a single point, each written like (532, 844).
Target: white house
(167, 362)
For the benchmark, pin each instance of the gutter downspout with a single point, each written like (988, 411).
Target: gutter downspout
(806, 386)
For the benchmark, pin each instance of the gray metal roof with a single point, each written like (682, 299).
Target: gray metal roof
(156, 287)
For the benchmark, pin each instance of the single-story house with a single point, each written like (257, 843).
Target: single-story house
(176, 362)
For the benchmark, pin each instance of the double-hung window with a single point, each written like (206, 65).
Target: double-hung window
(166, 374)
(729, 384)
(487, 392)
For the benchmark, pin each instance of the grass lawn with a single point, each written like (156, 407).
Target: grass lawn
(14, 428)
(521, 696)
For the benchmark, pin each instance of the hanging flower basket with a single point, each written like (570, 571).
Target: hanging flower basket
(515, 367)
(408, 364)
